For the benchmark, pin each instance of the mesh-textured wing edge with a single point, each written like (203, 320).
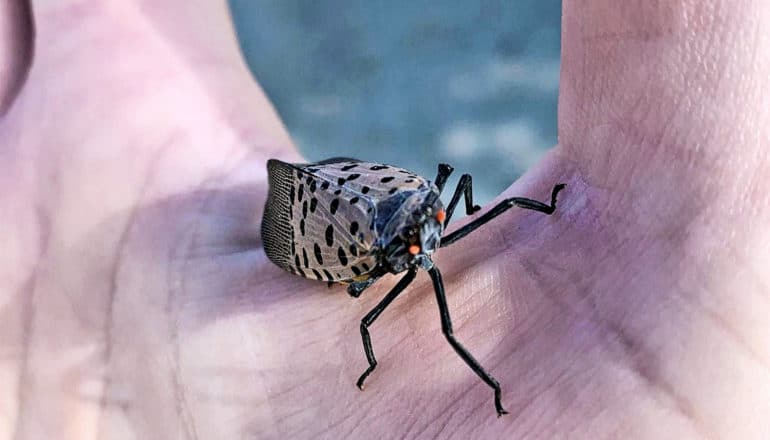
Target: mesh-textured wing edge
(276, 222)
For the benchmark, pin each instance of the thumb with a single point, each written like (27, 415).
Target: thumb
(15, 49)
(81, 44)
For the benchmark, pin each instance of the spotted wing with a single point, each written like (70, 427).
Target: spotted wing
(315, 226)
(385, 187)
(373, 181)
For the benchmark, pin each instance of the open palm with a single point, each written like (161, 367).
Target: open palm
(136, 300)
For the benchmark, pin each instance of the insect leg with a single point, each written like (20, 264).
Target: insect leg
(446, 328)
(444, 171)
(355, 289)
(464, 187)
(499, 209)
(372, 316)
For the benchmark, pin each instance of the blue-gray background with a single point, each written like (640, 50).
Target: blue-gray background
(412, 83)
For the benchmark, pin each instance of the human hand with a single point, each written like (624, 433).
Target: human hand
(137, 302)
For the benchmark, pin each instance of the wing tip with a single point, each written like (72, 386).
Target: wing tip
(276, 226)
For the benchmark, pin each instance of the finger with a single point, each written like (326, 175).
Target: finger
(663, 84)
(195, 36)
(663, 111)
(15, 48)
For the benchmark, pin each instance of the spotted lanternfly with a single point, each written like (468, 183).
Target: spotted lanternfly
(351, 222)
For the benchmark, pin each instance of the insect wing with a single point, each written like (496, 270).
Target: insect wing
(277, 230)
(325, 231)
(374, 181)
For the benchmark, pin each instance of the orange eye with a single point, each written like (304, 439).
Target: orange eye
(414, 249)
(441, 216)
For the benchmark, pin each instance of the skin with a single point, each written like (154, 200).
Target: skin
(136, 301)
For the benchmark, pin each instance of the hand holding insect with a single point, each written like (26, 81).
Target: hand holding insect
(136, 299)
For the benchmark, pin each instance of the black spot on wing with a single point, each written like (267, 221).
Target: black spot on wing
(349, 167)
(355, 270)
(325, 185)
(393, 190)
(353, 176)
(313, 203)
(378, 167)
(328, 275)
(317, 275)
(341, 255)
(333, 206)
(354, 200)
(302, 227)
(353, 228)
(353, 250)
(364, 190)
(329, 235)
(304, 258)
(317, 252)
(300, 192)
(386, 179)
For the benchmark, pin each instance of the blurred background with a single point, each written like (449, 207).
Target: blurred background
(412, 83)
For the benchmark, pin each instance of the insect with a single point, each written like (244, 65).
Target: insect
(351, 222)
